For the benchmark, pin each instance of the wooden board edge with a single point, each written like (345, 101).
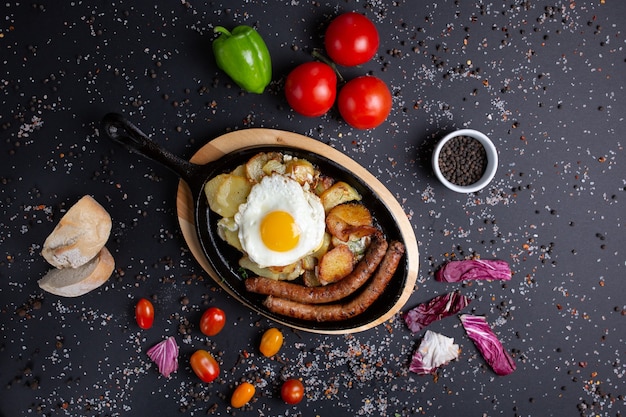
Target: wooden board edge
(239, 139)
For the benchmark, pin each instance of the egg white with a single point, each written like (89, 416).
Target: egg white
(280, 193)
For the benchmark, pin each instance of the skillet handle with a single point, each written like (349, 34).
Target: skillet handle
(119, 129)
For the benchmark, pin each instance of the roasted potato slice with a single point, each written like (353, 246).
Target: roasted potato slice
(339, 193)
(321, 183)
(349, 221)
(323, 247)
(274, 166)
(225, 192)
(335, 264)
(228, 233)
(232, 193)
(254, 166)
(309, 262)
(210, 191)
(286, 273)
(300, 170)
(240, 170)
(310, 279)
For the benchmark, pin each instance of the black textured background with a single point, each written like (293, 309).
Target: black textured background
(545, 80)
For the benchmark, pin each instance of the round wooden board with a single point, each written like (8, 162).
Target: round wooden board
(231, 142)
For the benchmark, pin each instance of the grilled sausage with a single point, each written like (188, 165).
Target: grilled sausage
(346, 310)
(328, 293)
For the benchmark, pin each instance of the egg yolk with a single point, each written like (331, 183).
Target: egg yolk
(279, 231)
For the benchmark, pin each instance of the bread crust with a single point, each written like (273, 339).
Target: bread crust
(79, 236)
(74, 282)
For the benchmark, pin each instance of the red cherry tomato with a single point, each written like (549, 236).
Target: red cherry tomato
(144, 313)
(292, 391)
(204, 365)
(212, 321)
(351, 39)
(364, 102)
(311, 88)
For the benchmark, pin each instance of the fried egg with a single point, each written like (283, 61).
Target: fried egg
(280, 222)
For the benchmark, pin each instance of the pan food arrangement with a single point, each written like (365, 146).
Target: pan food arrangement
(475, 262)
(381, 281)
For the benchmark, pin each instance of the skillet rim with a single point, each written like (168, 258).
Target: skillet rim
(388, 304)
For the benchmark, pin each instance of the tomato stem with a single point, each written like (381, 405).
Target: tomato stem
(319, 55)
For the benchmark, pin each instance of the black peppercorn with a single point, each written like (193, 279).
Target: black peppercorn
(463, 160)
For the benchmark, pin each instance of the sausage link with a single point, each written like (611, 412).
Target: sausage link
(346, 310)
(327, 293)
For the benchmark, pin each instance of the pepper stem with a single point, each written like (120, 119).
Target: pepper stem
(223, 31)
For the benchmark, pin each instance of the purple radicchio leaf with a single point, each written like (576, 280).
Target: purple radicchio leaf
(488, 344)
(435, 350)
(439, 307)
(474, 269)
(165, 355)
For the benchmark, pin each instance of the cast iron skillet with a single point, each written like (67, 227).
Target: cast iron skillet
(223, 257)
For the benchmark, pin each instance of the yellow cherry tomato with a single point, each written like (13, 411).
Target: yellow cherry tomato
(271, 342)
(242, 395)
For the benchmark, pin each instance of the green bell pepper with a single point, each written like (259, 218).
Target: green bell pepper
(243, 55)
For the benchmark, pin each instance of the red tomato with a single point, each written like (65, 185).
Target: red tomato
(292, 391)
(311, 88)
(351, 39)
(212, 321)
(204, 365)
(144, 313)
(364, 102)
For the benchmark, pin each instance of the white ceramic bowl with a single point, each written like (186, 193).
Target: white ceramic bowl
(490, 169)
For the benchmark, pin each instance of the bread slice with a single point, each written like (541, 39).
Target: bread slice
(81, 233)
(73, 282)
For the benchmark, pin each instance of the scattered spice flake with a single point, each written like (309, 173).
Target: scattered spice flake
(474, 269)
(488, 344)
(435, 350)
(439, 307)
(165, 355)
(27, 128)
